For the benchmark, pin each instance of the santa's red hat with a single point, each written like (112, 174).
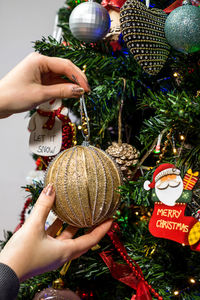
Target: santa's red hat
(162, 170)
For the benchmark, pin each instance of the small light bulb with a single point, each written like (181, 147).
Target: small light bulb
(182, 137)
(176, 293)
(79, 127)
(174, 151)
(175, 74)
(137, 213)
(192, 280)
(183, 244)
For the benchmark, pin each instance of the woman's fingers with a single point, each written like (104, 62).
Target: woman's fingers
(68, 233)
(62, 90)
(83, 243)
(66, 67)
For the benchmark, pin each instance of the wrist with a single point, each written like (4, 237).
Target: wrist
(11, 263)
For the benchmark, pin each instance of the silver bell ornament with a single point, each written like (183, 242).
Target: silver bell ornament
(182, 28)
(89, 22)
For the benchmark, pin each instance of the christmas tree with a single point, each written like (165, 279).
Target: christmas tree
(144, 111)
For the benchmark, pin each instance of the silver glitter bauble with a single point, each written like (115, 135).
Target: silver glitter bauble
(89, 22)
(182, 28)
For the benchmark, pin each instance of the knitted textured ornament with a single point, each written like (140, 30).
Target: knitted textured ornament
(143, 31)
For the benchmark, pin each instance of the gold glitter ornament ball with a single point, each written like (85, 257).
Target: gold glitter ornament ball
(86, 181)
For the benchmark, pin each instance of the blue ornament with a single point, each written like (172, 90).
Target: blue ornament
(89, 22)
(182, 28)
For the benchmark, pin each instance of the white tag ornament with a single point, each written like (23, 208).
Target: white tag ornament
(46, 128)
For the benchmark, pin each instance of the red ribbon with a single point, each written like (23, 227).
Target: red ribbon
(128, 274)
(119, 271)
(52, 114)
(113, 4)
(178, 3)
(174, 5)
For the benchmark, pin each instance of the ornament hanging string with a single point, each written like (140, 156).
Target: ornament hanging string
(85, 128)
(84, 117)
(121, 103)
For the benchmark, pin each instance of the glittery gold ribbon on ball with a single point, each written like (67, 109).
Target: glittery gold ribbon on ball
(86, 181)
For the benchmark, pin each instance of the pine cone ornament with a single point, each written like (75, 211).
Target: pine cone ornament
(125, 155)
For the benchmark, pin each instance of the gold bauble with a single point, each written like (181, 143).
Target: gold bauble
(86, 180)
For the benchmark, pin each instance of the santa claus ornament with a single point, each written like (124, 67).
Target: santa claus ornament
(171, 194)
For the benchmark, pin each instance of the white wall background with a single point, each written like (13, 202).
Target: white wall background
(21, 22)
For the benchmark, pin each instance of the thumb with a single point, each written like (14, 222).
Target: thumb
(43, 204)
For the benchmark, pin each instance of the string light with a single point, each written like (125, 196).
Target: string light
(192, 280)
(174, 151)
(182, 137)
(176, 293)
(176, 74)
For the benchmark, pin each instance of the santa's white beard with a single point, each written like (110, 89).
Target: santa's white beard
(170, 194)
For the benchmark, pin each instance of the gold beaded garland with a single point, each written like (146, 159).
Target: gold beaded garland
(86, 180)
